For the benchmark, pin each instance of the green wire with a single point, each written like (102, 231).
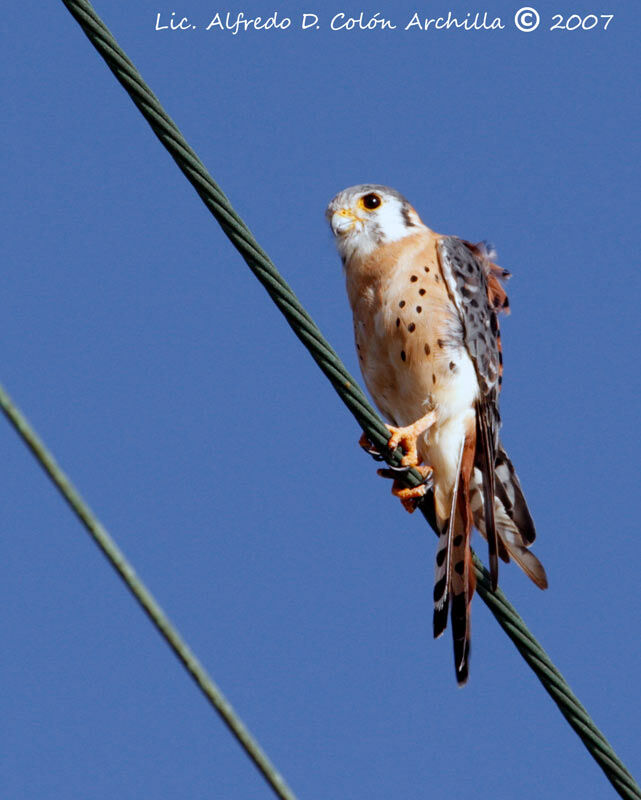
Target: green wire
(155, 613)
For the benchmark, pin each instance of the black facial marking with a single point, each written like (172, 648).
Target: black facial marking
(405, 211)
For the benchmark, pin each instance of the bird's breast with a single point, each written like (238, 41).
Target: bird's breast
(409, 338)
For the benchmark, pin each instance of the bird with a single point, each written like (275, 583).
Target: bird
(425, 309)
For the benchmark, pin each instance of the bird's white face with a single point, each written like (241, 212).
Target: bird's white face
(366, 216)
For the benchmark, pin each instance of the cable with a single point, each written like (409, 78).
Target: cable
(144, 597)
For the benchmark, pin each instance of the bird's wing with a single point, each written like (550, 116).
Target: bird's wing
(477, 294)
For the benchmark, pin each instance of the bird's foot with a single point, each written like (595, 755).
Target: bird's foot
(409, 496)
(406, 437)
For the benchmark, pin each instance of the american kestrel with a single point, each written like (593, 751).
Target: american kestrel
(425, 322)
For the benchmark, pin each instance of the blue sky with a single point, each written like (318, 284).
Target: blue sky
(207, 441)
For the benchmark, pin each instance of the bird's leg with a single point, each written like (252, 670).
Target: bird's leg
(406, 437)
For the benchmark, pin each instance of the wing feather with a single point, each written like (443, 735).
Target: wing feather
(476, 293)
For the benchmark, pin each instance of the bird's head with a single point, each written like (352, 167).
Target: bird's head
(366, 216)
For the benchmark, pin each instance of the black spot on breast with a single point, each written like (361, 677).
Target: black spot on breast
(419, 309)
(411, 327)
(440, 556)
(437, 278)
(440, 343)
(453, 366)
(401, 304)
(414, 278)
(433, 378)
(426, 347)
(398, 322)
(457, 541)
(427, 269)
(474, 303)
(459, 567)
(494, 323)
(470, 269)
(403, 356)
(421, 292)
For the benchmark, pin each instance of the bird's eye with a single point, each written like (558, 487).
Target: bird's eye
(370, 201)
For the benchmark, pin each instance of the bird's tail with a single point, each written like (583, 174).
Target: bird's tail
(514, 524)
(454, 573)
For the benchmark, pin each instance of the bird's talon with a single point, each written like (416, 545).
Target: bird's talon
(407, 442)
(369, 448)
(410, 497)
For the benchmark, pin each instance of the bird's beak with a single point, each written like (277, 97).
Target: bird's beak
(343, 221)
